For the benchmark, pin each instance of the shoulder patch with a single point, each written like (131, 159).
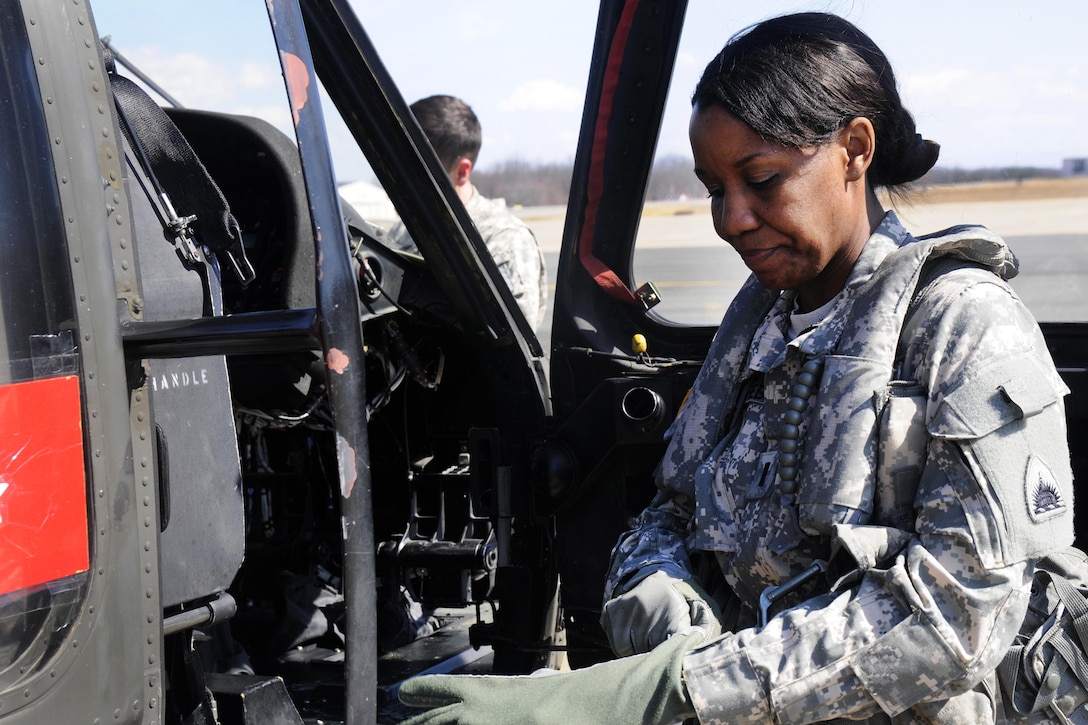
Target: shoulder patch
(1044, 495)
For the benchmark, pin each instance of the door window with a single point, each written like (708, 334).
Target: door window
(1003, 92)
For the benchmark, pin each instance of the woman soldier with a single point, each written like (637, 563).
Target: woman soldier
(873, 456)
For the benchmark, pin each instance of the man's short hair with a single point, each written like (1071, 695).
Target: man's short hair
(451, 127)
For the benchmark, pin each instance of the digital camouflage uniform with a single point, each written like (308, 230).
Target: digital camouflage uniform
(513, 247)
(933, 471)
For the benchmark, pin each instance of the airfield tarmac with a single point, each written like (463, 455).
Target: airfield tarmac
(1044, 221)
(1031, 208)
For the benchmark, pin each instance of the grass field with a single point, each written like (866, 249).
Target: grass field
(1027, 190)
(988, 191)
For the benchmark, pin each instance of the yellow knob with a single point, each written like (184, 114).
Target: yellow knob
(638, 343)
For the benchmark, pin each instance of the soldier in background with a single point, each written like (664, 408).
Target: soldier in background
(454, 132)
(872, 462)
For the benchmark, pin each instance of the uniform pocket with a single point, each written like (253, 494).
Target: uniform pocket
(1010, 389)
(1009, 423)
(903, 442)
(715, 526)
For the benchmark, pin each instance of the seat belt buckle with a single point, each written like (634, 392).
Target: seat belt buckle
(183, 233)
(239, 262)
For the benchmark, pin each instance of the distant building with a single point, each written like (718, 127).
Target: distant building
(1075, 167)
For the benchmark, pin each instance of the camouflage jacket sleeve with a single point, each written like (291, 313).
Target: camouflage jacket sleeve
(517, 255)
(919, 631)
(655, 543)
(516, 252)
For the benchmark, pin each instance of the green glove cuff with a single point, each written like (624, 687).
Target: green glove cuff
(645, 688)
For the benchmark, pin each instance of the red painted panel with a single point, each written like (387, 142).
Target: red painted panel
(43, 491)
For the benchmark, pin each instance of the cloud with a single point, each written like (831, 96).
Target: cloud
(689, 59)
(192, 78)
(1058, 85)
(259, 75)
(198, 81)
(958, 88)
(1023, 115)
(543, 95)
(1022, 88)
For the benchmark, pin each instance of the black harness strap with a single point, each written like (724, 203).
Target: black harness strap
(179, 177)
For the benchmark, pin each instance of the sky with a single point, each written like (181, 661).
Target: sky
(995, 82)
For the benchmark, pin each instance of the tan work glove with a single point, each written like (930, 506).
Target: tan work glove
(656, 608)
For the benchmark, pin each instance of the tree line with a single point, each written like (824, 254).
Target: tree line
(527, 184)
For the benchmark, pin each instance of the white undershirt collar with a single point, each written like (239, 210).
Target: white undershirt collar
(801, 321)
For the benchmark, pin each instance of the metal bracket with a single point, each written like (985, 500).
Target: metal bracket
(648, 295)
(771, 595)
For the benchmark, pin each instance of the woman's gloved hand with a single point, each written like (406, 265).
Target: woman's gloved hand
(646, 688)
(654, 609)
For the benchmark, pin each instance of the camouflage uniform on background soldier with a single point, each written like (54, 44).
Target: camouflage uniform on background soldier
(872, 460)
(454, 132)
(515, 251)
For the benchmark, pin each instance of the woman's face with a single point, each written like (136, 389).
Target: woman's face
(797, 217)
